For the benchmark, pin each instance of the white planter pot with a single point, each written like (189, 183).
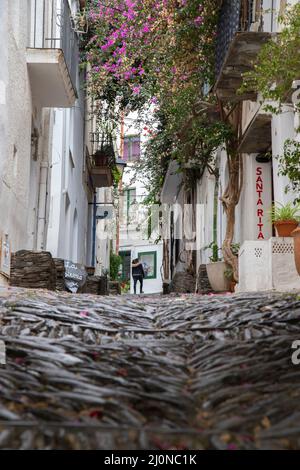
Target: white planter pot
(216, 276)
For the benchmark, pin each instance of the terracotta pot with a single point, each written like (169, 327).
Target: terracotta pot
(296, 235)
(285, 227)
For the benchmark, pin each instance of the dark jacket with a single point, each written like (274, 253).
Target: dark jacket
(138, 271)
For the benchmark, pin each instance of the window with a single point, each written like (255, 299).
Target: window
(128, 205)
(148, 260)
(132, 148)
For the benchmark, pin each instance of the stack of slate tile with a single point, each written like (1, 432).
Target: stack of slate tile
(60, 274)
(33, 269)
(96, 285)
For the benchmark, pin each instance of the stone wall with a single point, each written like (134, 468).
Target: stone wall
(60, 274)
(97, 285)
(37, 269)
(33, 269)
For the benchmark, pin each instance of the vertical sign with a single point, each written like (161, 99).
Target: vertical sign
(259, 203)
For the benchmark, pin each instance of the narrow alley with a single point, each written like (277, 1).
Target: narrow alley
(149, 372)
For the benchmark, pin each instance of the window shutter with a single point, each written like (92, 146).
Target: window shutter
(136, 148)
(126, 150)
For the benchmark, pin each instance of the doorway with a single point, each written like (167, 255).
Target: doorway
(126, 265)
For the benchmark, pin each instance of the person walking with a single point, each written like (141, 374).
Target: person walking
(138, 274)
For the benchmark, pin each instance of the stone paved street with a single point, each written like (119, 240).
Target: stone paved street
(149, 372)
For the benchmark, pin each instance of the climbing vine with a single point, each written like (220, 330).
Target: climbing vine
(277, 65)
(158, 57)
(276, 69)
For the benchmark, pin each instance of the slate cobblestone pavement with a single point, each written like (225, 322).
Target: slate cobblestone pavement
(149, 372)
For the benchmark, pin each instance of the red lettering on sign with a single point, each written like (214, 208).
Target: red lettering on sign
(259, 192)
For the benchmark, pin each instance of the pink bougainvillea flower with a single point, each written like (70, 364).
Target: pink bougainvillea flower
(84, 313)
(136, 90)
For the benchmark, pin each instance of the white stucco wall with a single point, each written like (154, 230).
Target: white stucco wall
(282, 129)
(32, 187)
(19, 173)
(105, 230)
(251, 211)
(268, 265)
(133, 241)
(150, 285)
(255, 202)
(205, 196)
(130, 239)
(68, 219)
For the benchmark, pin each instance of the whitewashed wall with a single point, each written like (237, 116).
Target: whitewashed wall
(19, 173)
(69, 224)
(282, 129)
(130, 240)
(253, 199)
(150, 285)
(105, 231)
(33, 187)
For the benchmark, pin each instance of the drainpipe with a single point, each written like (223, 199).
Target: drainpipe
(272, 15)
(120, 183)
(42, 204)
(43, 185)
(94, 230)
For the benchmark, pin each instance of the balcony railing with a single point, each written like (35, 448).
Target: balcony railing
(50, 28)
(102, 160)
(236, 16)
(102, 145)
(241, 35)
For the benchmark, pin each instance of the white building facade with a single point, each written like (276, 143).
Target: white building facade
(44, 186)
(137, 238)
(262, 139)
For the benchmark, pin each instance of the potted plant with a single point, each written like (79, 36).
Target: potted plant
(125, 287)
(296, 235)
(115, 262)
(285, 218)
(216, 270)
